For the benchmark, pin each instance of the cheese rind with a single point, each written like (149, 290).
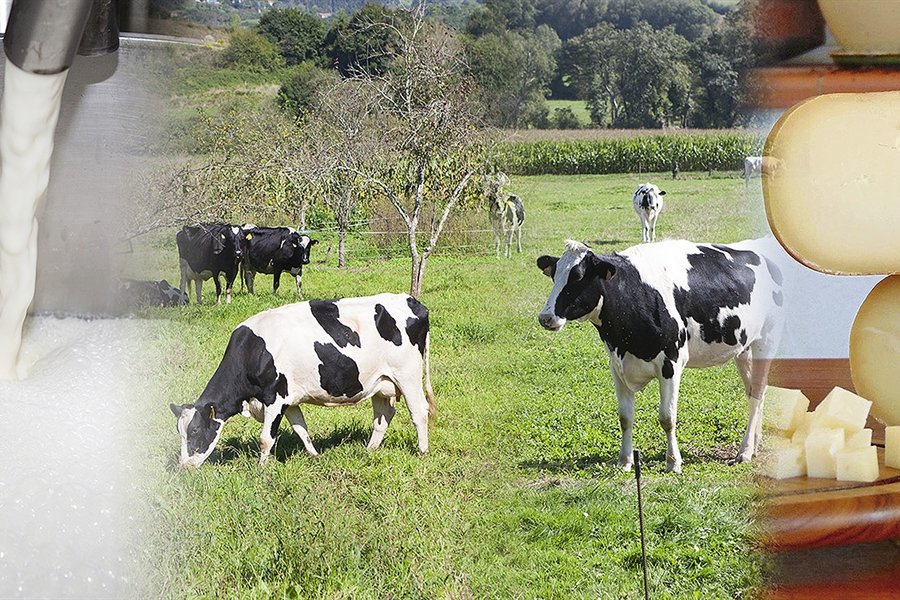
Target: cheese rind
(833, 206)
(875, 350)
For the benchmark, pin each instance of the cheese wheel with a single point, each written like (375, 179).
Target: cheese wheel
(875, 350)
(832, 193)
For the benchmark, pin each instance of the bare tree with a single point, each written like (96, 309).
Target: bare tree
(430, 118)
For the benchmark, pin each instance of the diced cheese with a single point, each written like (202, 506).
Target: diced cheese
(830, 203)
(822, 445)
(857, 464)
(784, 408)
(875, 350)
(892, 446)
(860, 439)
(842, 408)
(807, 423)
(784, 462)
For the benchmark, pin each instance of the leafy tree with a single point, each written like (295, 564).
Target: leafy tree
(252, 52)
(297, 94)
(515, 69)
(570, 18)
(299, 35)
(368, 40)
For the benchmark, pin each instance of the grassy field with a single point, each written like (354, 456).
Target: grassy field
(519, 496)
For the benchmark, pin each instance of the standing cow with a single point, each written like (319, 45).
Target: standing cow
(648, 204)
(207, 250)
(660, 308)
(272, 251)
(325, 353)
(506, 212)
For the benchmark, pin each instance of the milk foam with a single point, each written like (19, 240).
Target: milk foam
(29, 111)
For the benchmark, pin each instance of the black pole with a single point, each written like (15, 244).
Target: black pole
(637, 476)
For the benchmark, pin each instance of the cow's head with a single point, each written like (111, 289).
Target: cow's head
(199, 430)
(578, 279)
(647, 195)
(233, 237)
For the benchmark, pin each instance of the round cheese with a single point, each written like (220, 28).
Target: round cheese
(875, 350)
(832, 184)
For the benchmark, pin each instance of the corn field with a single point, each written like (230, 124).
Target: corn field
(722, 151)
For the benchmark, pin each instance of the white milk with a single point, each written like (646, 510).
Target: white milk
(69, 522)
(28, 113)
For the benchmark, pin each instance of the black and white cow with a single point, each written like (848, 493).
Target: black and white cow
(660, 308)
(132, 293)
(274, 250)
(506, 212)
(648, 204)
(205, 251)
(325, 353)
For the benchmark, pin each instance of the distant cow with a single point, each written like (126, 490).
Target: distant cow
(758, 165)
(506, 211)
(205, 251)
(648, 203)
(325, 353)
(274, 250)
(660, 308)
(137, 293)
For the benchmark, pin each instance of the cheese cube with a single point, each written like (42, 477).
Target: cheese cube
(821, 447)
(784, 408)
(807, 423)
(842, 408)
(860, 439)
(892, 446)
(857, 464)
(785, 462)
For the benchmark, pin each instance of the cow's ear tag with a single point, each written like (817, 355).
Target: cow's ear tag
(212, 412)
(222, 235)
(249, 236)
(315, 242)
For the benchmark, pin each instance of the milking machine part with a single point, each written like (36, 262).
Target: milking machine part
(43, 36)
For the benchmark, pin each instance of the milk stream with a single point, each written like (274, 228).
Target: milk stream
(29, 110)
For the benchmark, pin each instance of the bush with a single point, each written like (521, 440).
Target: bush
(656, 153)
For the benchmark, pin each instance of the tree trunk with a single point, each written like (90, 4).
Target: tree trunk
(342, 236)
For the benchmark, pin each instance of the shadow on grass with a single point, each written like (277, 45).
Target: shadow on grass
(655, 461)
(601, 243)
(287, 444)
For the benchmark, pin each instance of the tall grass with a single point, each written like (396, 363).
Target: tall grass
(519, 496)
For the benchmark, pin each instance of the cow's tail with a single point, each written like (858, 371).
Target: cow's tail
(429, 392)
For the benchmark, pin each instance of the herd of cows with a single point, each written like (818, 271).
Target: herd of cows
(659, 307)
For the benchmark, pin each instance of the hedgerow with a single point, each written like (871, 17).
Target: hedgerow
(654, 153)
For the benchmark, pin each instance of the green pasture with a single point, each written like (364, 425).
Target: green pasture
(519, 496)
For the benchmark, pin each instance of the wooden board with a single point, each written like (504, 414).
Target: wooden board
(807, 512)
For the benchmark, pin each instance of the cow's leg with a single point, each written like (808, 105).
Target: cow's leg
(298, 424)
(299, 281)
(198, 285)
(383, 407)
(182, 296)
(276, 281)
(668, 417)
(495, 225)
(249, 276)
(218, 289)
(271, 421)
(417, 404)
(519, 237)
(229, 286)
(625, 398)
(754, 373)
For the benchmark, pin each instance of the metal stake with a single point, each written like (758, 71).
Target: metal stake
(637, 476)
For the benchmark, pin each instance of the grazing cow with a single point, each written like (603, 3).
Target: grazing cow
(648, 203)
(136, 293)
(506, 211)
(325, 353)
(205, 251)
(660, 308)
(752, 166)
(273, 250)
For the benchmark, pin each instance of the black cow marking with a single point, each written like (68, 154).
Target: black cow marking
(327, 314)
(387, 326)
(338, 373)
(202, 430)
(719, 277)
(417, 327)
